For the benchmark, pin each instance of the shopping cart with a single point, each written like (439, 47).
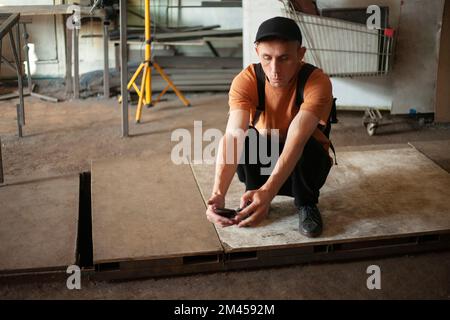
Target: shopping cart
(346, 49)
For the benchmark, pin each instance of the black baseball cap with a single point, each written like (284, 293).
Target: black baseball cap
(279, 27)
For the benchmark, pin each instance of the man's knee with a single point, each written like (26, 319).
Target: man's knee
(314, 164)
(241, 173)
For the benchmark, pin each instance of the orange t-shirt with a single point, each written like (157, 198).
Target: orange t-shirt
(280, 107)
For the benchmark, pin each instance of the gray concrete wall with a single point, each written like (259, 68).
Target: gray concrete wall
(443, 78)
(415, 69)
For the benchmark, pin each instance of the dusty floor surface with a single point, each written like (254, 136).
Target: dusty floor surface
(64, 137)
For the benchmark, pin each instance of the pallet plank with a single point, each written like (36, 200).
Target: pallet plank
(38, 229)
(434, 150)
(370, 195)
(144, 209)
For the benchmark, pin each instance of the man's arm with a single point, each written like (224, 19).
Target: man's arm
(226, 163)
(299, 132)
(237, 122)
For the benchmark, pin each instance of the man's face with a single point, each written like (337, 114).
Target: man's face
(279, 60)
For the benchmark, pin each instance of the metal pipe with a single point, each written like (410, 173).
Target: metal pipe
(76, 69)
(19, 49)
(44, 97)
(19, 124)
(1, 161)
(19, 77)
(1, 55)
(105, 60)
(68, 76)
(124, 66)
(148, 55)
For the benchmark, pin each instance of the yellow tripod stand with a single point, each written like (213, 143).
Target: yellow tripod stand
(145, 93)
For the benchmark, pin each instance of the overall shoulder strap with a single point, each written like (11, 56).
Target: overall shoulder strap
(303, 76)
(261, 85)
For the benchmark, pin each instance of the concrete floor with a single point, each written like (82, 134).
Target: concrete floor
(63, 138)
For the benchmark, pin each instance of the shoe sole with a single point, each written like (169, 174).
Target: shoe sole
(311, 235)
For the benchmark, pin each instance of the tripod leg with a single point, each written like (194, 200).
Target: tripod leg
(135, 75)
(141, 96)
(172, 85)
(136, 89)
(161, 94)
(148, 87)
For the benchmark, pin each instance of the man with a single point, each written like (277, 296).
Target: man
(304, 162)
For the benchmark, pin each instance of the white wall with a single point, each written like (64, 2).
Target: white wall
(254, 13)
(410, 85)
(91, 48)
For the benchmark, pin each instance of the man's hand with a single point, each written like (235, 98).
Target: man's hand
(256, 211)
(217, 201)
(238, 120)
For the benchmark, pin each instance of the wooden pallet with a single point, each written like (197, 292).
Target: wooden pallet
(148, 213)
(147, 219)
(252, 259)
(38, 229)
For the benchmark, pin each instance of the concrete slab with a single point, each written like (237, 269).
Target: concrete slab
(370, 195)
(436, 150)
(144, 209)
(39, 221)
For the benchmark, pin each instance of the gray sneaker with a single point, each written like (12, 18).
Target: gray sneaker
(310, 221)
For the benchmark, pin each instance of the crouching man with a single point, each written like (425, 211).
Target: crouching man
(284, 93)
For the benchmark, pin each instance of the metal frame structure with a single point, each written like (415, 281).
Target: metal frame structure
(23, 21)
(72, 36)
(6, 28)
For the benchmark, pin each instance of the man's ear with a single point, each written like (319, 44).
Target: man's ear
(301, 52)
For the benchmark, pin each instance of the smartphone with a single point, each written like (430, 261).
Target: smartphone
(227, 213)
